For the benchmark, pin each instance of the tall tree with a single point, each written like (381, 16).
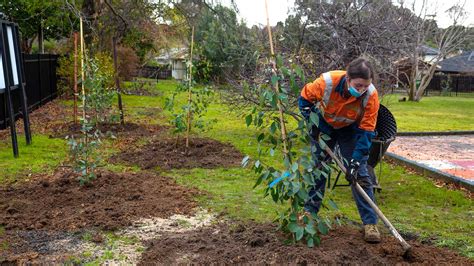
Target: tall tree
(38, 19)
(447, 41)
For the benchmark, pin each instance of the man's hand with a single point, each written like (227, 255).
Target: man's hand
(351, 174)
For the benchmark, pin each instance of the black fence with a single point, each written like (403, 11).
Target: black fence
(154, 72)
(41, 85)
(450, 85)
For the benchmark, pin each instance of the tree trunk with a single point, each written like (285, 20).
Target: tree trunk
(413, 77)
(40, 39)
(425, 81)
(26, 45)
(89, 9)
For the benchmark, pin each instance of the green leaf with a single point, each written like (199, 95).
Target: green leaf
(294, 167)
(308, 179)
(260, 137)
(317, 240)
(303, 194)
(323, 228)
(283, 97)
(293, 217)
(314, 119)
(257, 164)
(293, 227)
(299, 233)
(279, 61)
(275, 79)
(299, 72)
(295, 188)
(273, 127)
(325, 137)
(248, 120)
(310, 229)
(310, 242)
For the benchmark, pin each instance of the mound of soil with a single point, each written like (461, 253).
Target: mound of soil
(116, 129)
(165, 154)
(262, 245)
(111, 201)
(44, 120)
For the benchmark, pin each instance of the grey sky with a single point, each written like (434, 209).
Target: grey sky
(253, 11)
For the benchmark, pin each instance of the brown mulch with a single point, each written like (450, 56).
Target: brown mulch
(258, 244)
(44, 120)
(123, 132)
(165, 154)
(55, 119)
(111, 201)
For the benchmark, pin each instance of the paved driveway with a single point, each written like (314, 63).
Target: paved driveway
(449, 154)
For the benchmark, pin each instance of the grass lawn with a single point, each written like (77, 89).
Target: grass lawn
(413, 203)
(44, 154)
(433, 113)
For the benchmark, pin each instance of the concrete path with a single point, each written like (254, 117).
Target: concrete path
(449, 154)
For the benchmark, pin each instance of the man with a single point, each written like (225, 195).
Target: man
(347, 105)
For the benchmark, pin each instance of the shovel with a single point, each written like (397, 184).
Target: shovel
(405, 245)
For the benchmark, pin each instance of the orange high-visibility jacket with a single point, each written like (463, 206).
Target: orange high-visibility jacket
(338, 111)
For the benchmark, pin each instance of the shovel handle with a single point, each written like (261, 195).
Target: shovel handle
(361, 191)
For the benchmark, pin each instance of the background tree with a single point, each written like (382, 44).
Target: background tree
(38, 19)
(447, 41)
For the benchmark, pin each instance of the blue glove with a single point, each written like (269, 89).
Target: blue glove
(306, 107)
(351, 175)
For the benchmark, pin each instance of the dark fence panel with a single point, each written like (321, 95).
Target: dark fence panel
(457, 84)
(154, 72)
(41, 85)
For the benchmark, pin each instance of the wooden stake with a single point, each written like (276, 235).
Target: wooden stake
(82, 73)
(75, 78)
(188, 128)
(86, 137)
(117, 81)
(276, 87)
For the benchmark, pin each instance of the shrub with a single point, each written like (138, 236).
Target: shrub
(128, 62)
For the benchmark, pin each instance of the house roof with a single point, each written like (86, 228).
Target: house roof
(173, 54)
(426, 50)
(463, 63)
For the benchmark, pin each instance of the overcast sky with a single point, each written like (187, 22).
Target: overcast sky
(253, 11)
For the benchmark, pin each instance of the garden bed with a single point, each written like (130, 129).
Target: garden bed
(111, 201)
(261, 244)
(169, 154)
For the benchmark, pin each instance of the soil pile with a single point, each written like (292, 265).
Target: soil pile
(165, 154)
(261, 245)
(111, 201)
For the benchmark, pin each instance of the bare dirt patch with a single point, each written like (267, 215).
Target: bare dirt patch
(111, 201)
(44, 120)
(165, 154)
(261, 244)
(116, 129)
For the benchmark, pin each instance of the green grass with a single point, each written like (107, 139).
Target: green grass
(44, 154)
(434, 113)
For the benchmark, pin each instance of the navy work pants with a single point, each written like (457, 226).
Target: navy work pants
(345, 138)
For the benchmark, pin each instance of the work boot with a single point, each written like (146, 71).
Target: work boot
(371, 233)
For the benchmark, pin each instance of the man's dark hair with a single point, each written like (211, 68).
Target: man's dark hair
(360, 68)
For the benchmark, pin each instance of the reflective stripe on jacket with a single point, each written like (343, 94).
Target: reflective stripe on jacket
(328, 91)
